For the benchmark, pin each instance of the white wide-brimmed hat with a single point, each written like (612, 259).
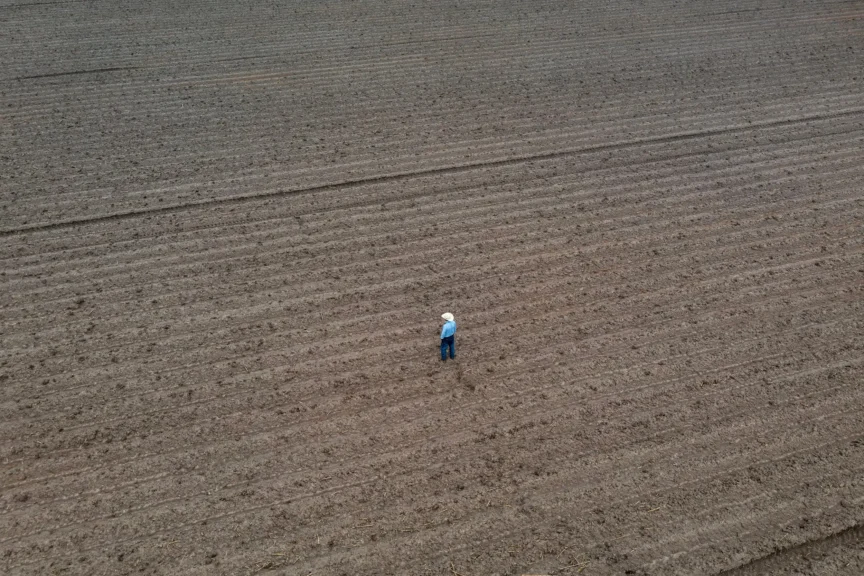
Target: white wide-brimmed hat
(447, 316)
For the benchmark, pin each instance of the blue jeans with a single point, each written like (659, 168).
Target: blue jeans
(448, 342)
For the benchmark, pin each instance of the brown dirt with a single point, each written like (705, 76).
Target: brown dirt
(228, 230)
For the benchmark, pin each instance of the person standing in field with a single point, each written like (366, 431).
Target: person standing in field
(448, 336)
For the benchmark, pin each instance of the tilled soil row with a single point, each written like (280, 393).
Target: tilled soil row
(557, 314)
(588, 169)
(817, 407)
(402, 399)
(597, 196)
(151, 201)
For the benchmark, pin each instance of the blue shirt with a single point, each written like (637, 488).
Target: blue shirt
(449, 329)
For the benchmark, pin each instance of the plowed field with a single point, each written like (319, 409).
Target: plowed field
(228, 231)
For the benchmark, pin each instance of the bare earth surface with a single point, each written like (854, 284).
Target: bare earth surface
(228, 230)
